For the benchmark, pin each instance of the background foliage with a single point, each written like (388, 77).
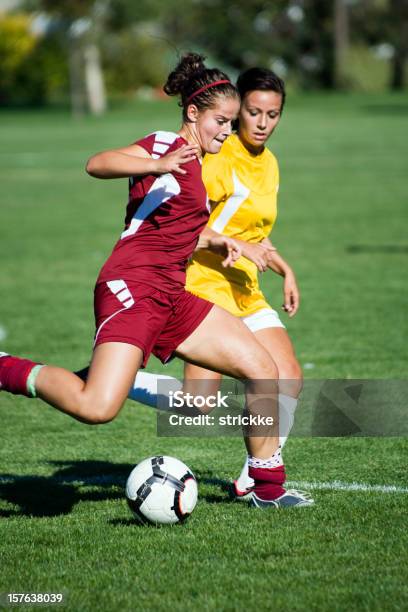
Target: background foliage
(313, 44)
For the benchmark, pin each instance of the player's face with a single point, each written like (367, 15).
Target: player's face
(214, 124)
(258, 117)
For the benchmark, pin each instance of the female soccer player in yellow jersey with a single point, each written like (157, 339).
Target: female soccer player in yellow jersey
(242, 183)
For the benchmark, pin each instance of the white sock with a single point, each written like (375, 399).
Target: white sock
(287, 407)
(272, 462)
(144, 389)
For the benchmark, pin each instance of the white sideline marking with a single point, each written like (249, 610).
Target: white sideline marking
(112, 479)
(336, 485)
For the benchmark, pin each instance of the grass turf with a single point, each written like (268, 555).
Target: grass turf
(64, 525)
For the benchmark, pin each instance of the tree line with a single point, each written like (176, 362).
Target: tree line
(84, 48)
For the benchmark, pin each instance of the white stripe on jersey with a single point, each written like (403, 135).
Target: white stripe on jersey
(159, 147)
(167, 137)
(231, 205)
(162, 142)
(163, 188)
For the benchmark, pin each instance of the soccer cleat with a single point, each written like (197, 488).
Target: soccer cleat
(289, 499)
(238, 495)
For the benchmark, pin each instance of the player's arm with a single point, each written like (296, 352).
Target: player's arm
(280, 266)
(257, 252)
(134, 160)
(223, 245)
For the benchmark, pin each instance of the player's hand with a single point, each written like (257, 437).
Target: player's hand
(290, 294)
(258, 253)
(172, 162)
(228, 247)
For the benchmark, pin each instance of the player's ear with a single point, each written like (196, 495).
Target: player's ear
(192, 113)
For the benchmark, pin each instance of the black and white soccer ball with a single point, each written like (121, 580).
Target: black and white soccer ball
(161, 490)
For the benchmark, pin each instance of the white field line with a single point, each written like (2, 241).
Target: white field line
(117, 480)
(336, 485)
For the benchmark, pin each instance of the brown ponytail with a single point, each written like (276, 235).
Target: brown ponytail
(195, 83)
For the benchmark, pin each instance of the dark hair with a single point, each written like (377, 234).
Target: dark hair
(190, 75)
(260, 79)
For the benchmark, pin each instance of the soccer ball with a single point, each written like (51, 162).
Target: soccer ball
(161, 490)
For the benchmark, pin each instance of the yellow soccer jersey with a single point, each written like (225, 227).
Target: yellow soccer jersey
(242, 189)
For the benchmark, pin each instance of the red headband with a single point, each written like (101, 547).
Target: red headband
(193, 95)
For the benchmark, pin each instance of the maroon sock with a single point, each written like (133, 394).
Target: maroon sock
(14, 373)
(268, 481)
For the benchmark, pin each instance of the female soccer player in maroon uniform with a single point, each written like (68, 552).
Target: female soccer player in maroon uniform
(141, 306)
(242, 183)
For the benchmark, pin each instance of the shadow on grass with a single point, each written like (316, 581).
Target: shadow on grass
(388, 249)
(134, 523)
(78, 481)
(206, 477)
(47, 496)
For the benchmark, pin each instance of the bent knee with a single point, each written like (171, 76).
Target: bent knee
(291, 371)
(291, 378)
(99, 418)
(258, 365)
(99, 413)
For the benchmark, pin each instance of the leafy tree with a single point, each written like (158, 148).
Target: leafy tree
(384, 21)
(31, 67)
(79, 23)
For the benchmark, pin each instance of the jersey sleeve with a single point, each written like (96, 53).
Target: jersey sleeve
(146, 143)
(159, 143)
(217, 177)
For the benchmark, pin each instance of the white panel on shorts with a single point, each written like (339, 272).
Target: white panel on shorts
(116, 285)
(163, 188)
(232, 204)
(120, 289)
(262, 319)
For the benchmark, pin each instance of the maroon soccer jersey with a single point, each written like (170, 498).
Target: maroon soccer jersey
(164, 217)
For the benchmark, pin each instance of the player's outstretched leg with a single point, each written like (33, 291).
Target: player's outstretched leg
(98, 400)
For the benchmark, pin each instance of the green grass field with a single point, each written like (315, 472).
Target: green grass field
(64, 524)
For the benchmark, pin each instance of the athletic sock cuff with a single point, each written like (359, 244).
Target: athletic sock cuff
(273, 475)
(32, 377)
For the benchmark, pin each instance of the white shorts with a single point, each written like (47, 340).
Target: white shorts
(266, 317)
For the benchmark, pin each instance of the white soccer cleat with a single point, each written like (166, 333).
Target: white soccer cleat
(237, 494)
(289, 499)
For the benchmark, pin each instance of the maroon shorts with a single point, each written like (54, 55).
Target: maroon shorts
(155, 321)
